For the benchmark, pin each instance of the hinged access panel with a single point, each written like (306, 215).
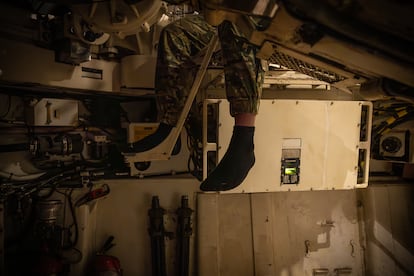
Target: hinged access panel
(302, 144)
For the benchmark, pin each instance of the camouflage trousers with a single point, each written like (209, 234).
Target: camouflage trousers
(183, 39)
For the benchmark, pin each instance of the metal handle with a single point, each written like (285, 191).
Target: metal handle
(48, 113)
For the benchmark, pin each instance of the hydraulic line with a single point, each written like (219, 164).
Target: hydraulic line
(184, 232)
(157, 234)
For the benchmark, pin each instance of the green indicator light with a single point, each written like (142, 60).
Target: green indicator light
(290, 171)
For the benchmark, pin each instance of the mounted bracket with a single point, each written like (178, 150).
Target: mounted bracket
(163, 151)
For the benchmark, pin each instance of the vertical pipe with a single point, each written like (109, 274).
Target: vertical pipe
(184, 232)
(157, 233)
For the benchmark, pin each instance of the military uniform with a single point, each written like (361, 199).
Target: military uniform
(183, 39)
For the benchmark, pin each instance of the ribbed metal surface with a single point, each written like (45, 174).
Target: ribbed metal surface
(304, 67)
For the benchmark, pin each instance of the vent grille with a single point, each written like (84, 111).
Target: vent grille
(304, 68)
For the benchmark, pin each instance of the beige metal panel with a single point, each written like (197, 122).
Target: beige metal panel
(314, 230)
(288, 248)
(378, 225)
(225, 241)
(389, 225)
(138, 71)
(281, 226)
(263, 226)
(401, 207)
(26, 63)
(236, 246)
(328, 134)
(207, 235)
(53, 112)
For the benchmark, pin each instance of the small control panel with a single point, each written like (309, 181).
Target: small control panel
(290, 171)
(290, 163)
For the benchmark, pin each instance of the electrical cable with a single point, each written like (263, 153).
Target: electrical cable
(194, 163)
(14, 177)
(68, 198)
(75, 221)
(393, 114)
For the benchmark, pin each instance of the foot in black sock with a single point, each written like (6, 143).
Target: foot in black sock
(152, 140)
(236, 163)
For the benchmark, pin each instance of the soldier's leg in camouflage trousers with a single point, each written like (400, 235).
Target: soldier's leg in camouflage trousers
(179, 42)
(244, 78)
(175, 74)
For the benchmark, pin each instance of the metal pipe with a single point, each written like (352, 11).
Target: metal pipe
(184, 232)
(14, 177)
(157, 234)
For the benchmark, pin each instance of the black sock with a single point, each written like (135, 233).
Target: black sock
(152, 140)
(236, 163)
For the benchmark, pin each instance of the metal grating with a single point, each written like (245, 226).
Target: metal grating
(304, 67)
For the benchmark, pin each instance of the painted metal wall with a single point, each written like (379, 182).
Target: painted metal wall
(349, 232)
(282, 233)
(389, 224)
(124, 214)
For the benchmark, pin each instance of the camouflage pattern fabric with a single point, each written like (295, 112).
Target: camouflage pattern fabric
(183, 39)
